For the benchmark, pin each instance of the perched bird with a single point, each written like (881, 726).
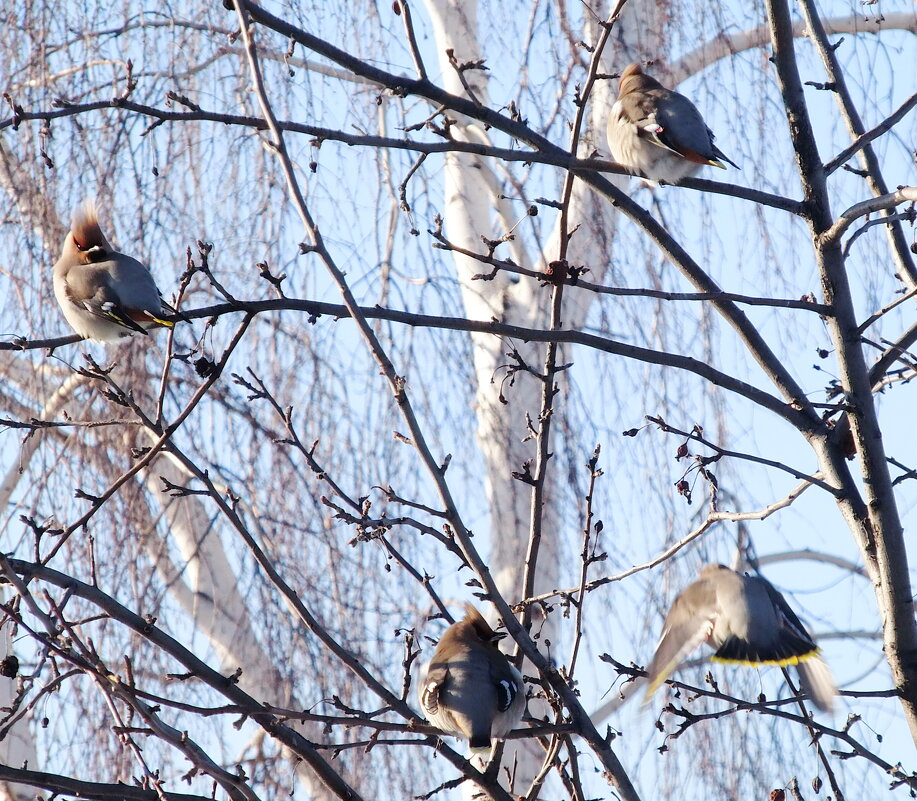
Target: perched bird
(657, 132)
(748, 622)
(470, 688)
(104, 294)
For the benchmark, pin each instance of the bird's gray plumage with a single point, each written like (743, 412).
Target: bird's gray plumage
(747, 621)
(470, 689)
(659, 133)
(104, 294)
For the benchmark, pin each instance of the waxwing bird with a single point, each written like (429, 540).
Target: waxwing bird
(748, 622)
(470, 689)
(659, 133)
(104, 294)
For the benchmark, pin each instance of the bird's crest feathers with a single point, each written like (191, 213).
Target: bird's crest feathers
(85, 227)
(479, 624)
(633, 79)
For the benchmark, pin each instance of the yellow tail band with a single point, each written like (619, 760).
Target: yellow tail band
(155, 319)
(792, 660)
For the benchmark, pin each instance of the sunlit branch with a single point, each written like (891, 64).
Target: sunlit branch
(725, 44)
(650, 356)
(601, 289)
(555, 157)
(855, 127)
(904, 194)
(35, 424)
(713, 517)
(815, 556)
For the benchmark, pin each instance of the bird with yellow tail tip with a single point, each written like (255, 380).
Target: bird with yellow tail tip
(104, 294)
(748, 622)
(659, 133)
(470, 689)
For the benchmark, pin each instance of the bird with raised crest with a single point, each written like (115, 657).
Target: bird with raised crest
(104, 294)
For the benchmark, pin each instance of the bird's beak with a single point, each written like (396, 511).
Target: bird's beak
(498, 635)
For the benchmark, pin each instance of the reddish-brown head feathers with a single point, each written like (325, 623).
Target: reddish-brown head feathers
(85, 227)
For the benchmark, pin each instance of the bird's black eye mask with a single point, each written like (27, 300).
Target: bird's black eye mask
(94, 253)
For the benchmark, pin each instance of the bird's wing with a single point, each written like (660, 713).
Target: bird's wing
(429, 695)
(137, 290)
(688, 624)
(639, 109)
(790, 625)
(90, 289)
(506, 683)
(771, 634)
(678, 126)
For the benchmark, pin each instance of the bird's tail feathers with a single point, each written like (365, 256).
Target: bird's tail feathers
(817, 681)
(720, 158)
(787, 650)
(159, 320)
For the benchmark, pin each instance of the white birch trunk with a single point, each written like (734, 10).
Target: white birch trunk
(472, 210)
(208, 590)
(18, 747)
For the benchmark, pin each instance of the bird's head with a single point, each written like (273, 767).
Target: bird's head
(480, 628)
(86, 240)
(629, 72)
(634, 79)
